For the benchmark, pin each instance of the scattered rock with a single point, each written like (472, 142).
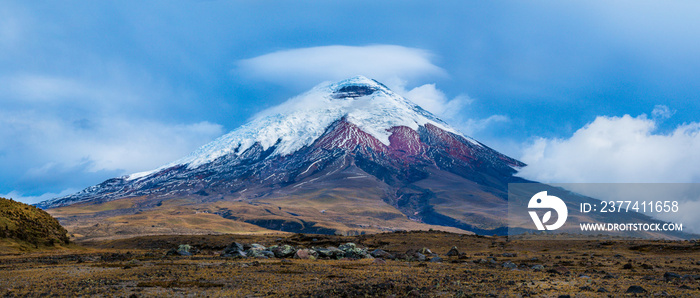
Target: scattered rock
(436, 260)
(353, 252)
(256, 246)
(509, 265)
(259, 251)
(400, 256)
(348, 250)
(266, 254)
(564, 296)
(347, 246)
(586, 288)
(380, 253)
(305, 254)
(415, 255)
(537, 267)
(635, 290)
(627, 266)
(669, 276)
(234, 246)
(453, 252)
(509, 255)
(235, 254)
(602, 290)
(330, 253)
(559, 270)
(234, 250)
(284, 251)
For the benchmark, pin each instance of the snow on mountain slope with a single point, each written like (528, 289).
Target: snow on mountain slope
(301, 120)
(357, 122)
(353, 148)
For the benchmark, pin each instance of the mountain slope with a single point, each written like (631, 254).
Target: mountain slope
(347, 157)
(27, 224)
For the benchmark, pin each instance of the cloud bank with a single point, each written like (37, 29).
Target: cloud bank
(617, 150)
(63, 133)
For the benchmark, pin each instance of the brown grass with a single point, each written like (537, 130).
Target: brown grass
(139, 266)
(86, 222)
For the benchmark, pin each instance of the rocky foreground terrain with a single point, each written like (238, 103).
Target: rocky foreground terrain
(400, 264)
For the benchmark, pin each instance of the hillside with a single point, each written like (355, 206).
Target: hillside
(24, 227)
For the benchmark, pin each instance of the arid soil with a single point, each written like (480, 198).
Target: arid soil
(483, 266)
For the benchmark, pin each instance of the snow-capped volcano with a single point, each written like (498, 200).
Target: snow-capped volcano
(338, 148)
(300, 121)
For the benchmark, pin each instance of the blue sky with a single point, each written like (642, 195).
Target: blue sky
(90, 90)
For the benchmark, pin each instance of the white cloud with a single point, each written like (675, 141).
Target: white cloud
(472, 126)
(434, 100)
(624, 150)
(614, 150)
(63, 132)
(46, 88)
(17, 196)
(662, 112)
(129, 145)
(386, 63)
(455, 111)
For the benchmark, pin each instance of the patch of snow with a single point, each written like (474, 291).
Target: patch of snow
(138, 175)
(309, 168)
(300, 184)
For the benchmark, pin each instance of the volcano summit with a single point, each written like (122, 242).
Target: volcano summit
(348, 157)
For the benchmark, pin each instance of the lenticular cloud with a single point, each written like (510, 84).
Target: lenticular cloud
(387, 63)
